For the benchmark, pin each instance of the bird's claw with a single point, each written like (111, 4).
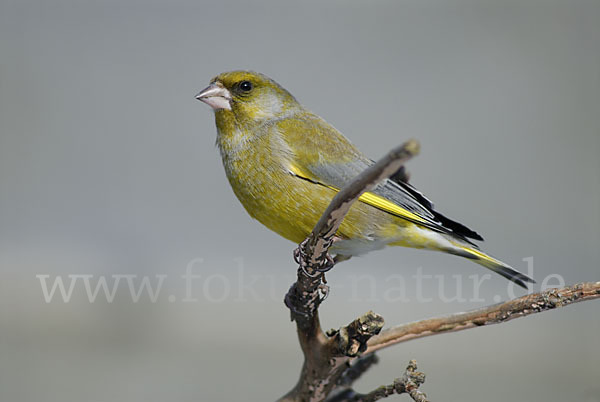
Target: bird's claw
(324, 290)
(299, 253)
(329, 263)
(300, 259)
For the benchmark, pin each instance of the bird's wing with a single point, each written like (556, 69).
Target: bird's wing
(321, 154)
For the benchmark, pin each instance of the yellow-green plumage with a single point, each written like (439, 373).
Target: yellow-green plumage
(285, 164)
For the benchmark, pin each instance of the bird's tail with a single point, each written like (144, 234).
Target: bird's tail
(493, 264)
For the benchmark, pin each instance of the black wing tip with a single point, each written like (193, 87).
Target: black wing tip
(457, 228)
(475, 236)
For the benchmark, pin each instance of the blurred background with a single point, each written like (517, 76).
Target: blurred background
(108, 171)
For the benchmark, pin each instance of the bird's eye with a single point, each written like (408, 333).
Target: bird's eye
(246, 86)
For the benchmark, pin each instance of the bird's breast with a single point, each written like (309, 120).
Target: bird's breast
(258, 170)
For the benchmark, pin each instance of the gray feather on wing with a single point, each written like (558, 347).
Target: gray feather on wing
(338, 175)
(400, 193)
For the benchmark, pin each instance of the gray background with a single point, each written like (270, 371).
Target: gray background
(108, 166)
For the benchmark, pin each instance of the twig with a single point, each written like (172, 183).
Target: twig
(495, 314)
(409, 383)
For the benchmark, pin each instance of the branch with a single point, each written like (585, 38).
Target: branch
(495, 314)
(326, 358)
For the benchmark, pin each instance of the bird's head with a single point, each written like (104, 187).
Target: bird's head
(246, 96)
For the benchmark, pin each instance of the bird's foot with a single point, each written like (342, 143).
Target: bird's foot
(301, 258)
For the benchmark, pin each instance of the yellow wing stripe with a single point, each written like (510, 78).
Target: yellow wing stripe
(301, 173)
(371, 199)
(388, 206)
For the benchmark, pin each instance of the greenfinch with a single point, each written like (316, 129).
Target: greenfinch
(285, 164)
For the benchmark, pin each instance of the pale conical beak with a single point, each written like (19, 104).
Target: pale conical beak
(215, 96)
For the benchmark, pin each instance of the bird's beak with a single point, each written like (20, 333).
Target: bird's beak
(215, 96)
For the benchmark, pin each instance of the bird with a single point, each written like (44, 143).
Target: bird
(285, 164)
